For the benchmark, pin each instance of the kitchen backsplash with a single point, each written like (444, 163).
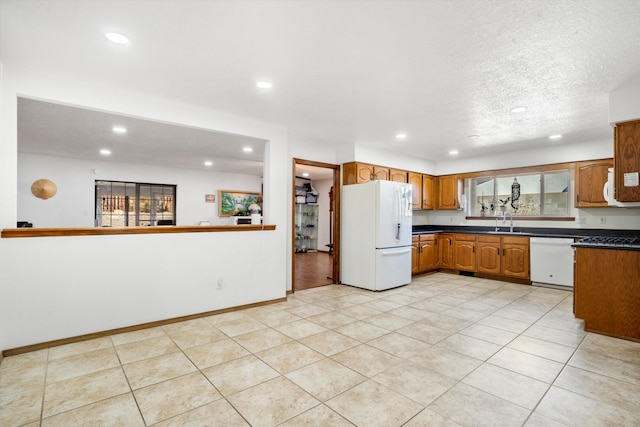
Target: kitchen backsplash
(608, 218)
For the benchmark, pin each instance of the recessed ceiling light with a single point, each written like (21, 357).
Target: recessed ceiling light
(247, 149)
(208, 163)
(305, 174)
(558, 136)
(117, 38)
(401, 136)
(473, 136)
(264, 84)
(453, 152)
(105, 152)
(518, 109)
(119, 130)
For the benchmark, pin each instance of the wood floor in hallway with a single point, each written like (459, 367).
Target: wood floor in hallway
(313, 269)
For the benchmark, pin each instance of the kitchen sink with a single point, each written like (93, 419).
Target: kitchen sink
(506, 232)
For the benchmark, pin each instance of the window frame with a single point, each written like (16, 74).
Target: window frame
(472, 214)
(153, 219)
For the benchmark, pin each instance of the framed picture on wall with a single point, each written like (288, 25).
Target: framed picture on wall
(236, 203)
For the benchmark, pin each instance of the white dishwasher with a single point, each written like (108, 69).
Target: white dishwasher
(552, 262)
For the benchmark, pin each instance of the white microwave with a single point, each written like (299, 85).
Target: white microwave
(608, 192)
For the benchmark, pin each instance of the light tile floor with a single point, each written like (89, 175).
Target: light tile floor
(444, 351)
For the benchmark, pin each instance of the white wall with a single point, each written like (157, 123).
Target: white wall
(623, 104)
(66, 279)
(59, 287)
(73, 205)
(589, 150)
(393, 159)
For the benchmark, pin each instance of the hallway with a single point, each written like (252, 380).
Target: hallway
(313, 269)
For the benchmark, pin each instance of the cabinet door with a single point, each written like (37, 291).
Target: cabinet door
(415, 255)
(515, 259)
(364, 172)
(427, 253)
(590, 179)
(627, 159)
(448, 192)
(428, 192)
(381, 173)
(397, 175)
(445, 248)
(489, 254)
(464, 253)
(415, 179)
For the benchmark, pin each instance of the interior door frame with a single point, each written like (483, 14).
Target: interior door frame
(335, 228)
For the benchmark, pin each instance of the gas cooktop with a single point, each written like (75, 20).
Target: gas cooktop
(630, 242)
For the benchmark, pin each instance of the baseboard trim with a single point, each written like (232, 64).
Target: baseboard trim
(79, 338)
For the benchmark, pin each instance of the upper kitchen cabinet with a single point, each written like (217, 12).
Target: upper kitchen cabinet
(415, 179)
(591, 177)
(358, 173)
(626, 156)
(428, 192)
(397, 175)
(448, 192)
(422, 190)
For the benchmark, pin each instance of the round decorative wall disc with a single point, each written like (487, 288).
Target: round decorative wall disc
(44, 189)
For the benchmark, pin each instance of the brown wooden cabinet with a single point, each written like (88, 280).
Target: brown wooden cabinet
(422, 188)
(445, 250)
(448, 192)
(489, 254)
(606, 291)
(415, 254)
(424, 253)
(503, 255)
(358, 173)
(415, 179)
(515, 257)
(626, 155)
(381, 173)
(464, 252)
(428, 192)
(428, 254)
(590, 178)
(397, 175)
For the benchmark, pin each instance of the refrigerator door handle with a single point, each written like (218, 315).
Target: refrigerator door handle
(395, 252)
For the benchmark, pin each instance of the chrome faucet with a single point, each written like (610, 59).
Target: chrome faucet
(504, 219)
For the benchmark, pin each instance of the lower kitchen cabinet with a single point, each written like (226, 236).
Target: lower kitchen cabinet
(464, 252)
(415, 257)
(503, 255)
(445, 250)
(515, 257)
(489, 254)
(496, 255)
(424, 254)
(606, 292)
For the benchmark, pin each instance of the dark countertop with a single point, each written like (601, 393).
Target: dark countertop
(527, 231)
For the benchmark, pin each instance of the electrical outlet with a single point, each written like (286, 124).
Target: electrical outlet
(603, 220)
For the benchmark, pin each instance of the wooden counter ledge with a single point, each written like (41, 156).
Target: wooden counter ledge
(105, 231)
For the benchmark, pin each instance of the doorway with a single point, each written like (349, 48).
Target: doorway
(315, 224)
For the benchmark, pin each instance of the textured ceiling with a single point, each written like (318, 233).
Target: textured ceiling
(355, 71)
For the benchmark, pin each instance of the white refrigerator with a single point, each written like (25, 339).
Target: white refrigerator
(375, 235)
